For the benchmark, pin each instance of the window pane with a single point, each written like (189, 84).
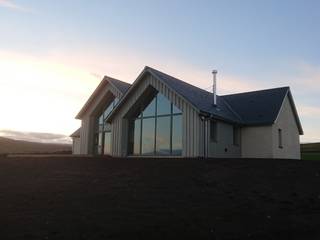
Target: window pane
(163, 105)
(148, 128)
(107, 143)
(100, 143)
(101, 119)
(136, 138)
(280, 138)
(177, 135)
(107, 111)
(163, 136)
(107, 127)
(150, 110)
(175, 109)
(115, 101)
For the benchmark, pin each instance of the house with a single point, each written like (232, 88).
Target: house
(159, 115)
(76, 142)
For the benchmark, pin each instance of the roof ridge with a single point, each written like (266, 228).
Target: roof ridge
(106, 77)
(177, 79)
(255, 91)
(231, 109)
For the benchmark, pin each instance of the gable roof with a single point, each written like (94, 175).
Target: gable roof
(201, 99)
(249, 108)
(121, 86)
(261, 107)
(258, 107)
(76, 133)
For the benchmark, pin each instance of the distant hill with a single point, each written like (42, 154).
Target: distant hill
(16, 146)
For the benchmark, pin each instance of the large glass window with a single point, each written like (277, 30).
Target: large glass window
(103, 130)
(177, 135)
(157, 129)
(163, 135)
(136, 139)
(150, 110)
(163, 105)
(148, 133)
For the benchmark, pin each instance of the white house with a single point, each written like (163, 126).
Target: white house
(159, 115)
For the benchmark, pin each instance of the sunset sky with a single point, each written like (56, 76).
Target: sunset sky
(53, 54)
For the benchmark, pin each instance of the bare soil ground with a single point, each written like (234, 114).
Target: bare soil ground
(101, 198)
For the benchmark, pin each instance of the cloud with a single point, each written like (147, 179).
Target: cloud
(309, 111)
(310, 117)
(36, 137)
(14, 6)
(53, 87)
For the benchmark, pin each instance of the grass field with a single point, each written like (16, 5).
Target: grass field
(104, 198)
(310, 156)
(310, 151)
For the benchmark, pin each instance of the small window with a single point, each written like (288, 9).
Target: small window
(213, 131)
(280, 138)
(236, 135)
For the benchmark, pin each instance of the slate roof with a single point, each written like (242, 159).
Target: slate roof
(258, 107)
(201, 99)
(249, 108)
(121, 86)
(76, 133)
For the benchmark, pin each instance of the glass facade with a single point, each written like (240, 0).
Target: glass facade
(103, 130)
(157, 130)
(177, 135)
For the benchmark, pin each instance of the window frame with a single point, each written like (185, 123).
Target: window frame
(156, 118)
(280, 138)
(101, 127)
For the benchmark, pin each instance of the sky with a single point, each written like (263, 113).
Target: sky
(53, 54)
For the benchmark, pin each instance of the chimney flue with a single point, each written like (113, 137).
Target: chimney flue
(214, 87)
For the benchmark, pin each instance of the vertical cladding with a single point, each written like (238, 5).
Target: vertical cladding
(88, 120)
(184, 132)
(190, 119)
(85, 135)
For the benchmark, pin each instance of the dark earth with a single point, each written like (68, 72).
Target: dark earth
(104, 198)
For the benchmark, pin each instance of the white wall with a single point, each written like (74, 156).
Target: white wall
(75, 145)
(290, 133)
(223, 147)
(256, 142)
(263, 141)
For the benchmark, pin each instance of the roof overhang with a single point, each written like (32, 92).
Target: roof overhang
(100, 88)
(95, 93)
(144, 72)
(76, 134)
(295, 112)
